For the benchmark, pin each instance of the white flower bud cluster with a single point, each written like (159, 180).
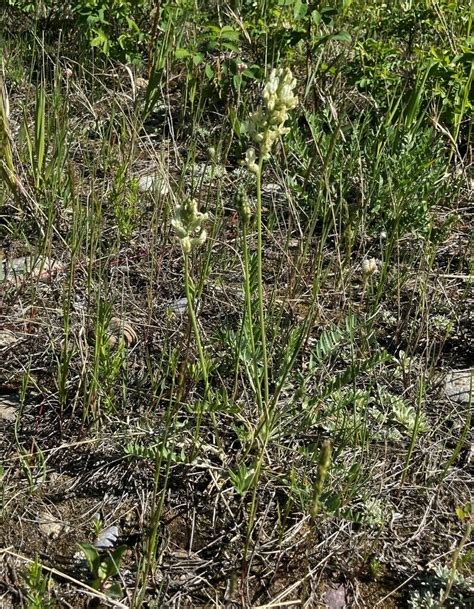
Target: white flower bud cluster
(244, 208)
(267, 123)
(188, 225)
(369, 267)
(251, 161)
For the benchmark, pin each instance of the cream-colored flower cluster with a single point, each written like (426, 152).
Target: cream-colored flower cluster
(267, 124)
(369, 267)
(188, 225)
(243, 205)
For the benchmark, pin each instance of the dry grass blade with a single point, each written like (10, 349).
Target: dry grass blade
(6, 159)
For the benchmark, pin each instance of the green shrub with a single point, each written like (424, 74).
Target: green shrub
(114, 26)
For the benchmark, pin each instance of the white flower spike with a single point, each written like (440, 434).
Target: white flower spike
(268, 122)
(188, 225)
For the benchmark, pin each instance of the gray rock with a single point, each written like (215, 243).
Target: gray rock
(38, 267)
(152, 184)
(459, 385)
(9, 408)
(335, 598)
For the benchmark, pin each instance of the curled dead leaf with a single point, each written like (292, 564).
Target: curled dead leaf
(7, 339)
(49, 525)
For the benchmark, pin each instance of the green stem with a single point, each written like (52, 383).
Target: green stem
(148, 560)
(457, 553)
(265, 414)
(248, 316)
(202, 360)
(261, 309)
(253, 505)
(192, 317)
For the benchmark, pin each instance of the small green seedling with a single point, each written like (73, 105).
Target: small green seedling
(38, 585)
(103, 568)
(242, 478)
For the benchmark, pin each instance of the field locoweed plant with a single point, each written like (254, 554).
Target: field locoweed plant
(189, 229)
(264, 127)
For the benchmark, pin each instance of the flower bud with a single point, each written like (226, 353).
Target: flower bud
(369, 267)
(188, 225)
(251, 161)
(243, 206)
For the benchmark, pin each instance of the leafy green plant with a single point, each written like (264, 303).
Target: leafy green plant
(400, 42)
(242, 478)
(212, 42)
(113, 26)
(321, 474)
(103, 568)
(125, 198)
(38, 585)
(451, 80)
(155, 452)
(289, 28)
(36, 144)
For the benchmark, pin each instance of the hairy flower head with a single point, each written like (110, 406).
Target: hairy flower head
(267, 124)
(369, 267)
(251, 161)
(188, 225)
(278, 92)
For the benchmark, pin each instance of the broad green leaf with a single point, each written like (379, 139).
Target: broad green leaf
(114, 591)
(181, 53)
(92, 556)
(113, 561)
